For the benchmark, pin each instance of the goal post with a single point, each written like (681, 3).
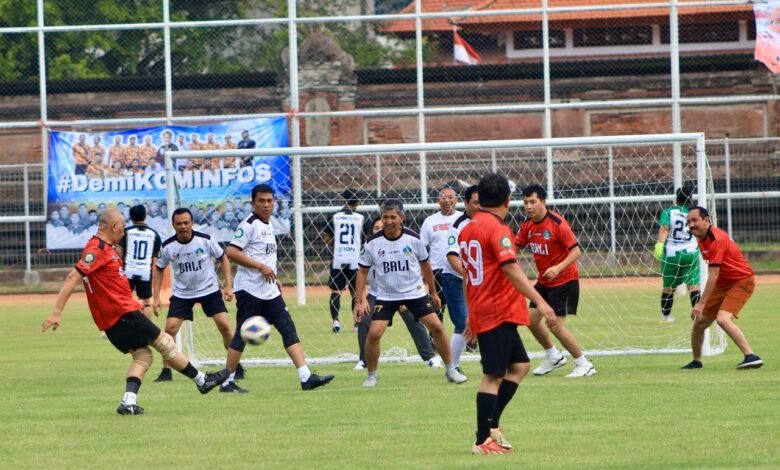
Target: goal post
(611, 189)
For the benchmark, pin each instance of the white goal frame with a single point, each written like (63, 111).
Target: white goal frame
(296, 155)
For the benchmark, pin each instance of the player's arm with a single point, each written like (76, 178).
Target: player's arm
(430, 281)
(553, 271)
(236, 255)
(456, 263)
(227, 290)
(663, 234)
(157, 279)
(71, 281)
(361, 288)
(712, 278)
(520, 281)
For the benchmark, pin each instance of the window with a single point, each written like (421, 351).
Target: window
(616, 36)
(533, 39)
(703, 32)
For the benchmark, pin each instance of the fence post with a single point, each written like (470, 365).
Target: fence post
(30, 276)
(727, 161)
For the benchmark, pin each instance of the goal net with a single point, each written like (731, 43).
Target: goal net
(611, 189)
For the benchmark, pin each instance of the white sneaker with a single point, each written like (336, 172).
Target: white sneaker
(583, 371)
(336, 326)
(435, 363)
(667, 319)
(453, 375)
(370, 381)
(359, 366)
(550, 364)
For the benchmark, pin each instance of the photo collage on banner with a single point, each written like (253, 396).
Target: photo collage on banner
(89, 171)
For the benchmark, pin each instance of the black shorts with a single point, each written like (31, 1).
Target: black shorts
(132, 331)
(274, 310)
(212, 304)
(141, 287)
(563, 299)
(341, 278)
(385, 309)
(500, 348)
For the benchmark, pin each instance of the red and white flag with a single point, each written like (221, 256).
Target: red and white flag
(462, 52)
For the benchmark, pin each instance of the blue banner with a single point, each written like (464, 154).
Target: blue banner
(89, 171)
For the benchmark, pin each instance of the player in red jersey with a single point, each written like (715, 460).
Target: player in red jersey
(555, 250)
(117, 314)
(495, 285)
(730, 284)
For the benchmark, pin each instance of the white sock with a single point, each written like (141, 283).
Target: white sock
(457, 345)
(200, 379)
(581, 361)
(553, 353)
(230, 378)
(304, 373)
(129, 398)
(449, 367)
(371, 374)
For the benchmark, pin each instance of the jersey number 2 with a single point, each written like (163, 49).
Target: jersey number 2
(679, 232)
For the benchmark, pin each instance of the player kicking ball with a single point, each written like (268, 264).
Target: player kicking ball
(117, 314)
(400, 261)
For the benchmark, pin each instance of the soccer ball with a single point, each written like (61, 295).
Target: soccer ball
(256, 330)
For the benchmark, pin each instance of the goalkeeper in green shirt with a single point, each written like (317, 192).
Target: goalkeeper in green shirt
(678, 252)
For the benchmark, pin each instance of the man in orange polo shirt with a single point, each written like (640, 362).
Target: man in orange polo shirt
(730, 284)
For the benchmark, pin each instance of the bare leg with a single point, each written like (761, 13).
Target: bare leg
(726, 321)
(697, 335)
(440, 339)
(223, 325)
(539, 331)
(567, 339)
(375, 333)
(172, 327)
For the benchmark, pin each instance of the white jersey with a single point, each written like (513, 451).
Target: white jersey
(345, 228)
(192, 264)
(680, 239)
(452, 243)
(434, 234)
(257, 240)
(140, 246)
(396, 265)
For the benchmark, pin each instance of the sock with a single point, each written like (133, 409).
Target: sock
(230, 378)
(371, 374)
(486, 408)
(129, 398)
(190, 371)
(199, 379)
(335, 305)
(581, 361)
(131, 390)
(304, 373)
(165, 371)
(506, 391)
(667, 300)
(449, 367)
(695, 297)
(553, 353)
(457, 345)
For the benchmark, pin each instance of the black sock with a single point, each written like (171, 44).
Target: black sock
(335, 305)
(695, 297)
(667, 300)
(506, 391)
(165, 371)
(190, 371)
(486, 408)
(133, 385)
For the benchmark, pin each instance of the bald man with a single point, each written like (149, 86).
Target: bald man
(117, 314)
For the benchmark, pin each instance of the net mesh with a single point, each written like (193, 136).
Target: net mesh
(612, 195)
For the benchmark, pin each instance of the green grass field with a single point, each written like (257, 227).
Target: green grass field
(59, 392)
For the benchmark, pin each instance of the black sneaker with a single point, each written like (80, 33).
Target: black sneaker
(232, 388)
(694, 364)
(213, 379)
(316, 381)
(124, 409)
(751, 361)
(165, 376)
(240, 372)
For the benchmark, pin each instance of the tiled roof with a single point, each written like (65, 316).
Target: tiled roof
(443, 24)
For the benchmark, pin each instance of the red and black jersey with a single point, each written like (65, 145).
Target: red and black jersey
(486, 245)
(718, 249)
(108, 291)
(550, 241)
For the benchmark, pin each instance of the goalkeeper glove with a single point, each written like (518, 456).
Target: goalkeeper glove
(659, 251)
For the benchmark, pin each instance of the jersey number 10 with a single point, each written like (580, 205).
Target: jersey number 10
(140, 248)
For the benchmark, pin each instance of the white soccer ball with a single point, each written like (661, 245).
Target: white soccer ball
(256, 330)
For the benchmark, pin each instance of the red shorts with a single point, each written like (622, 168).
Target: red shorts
(730, 298)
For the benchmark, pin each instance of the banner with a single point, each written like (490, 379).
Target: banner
(89, 171)
(768, 34)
